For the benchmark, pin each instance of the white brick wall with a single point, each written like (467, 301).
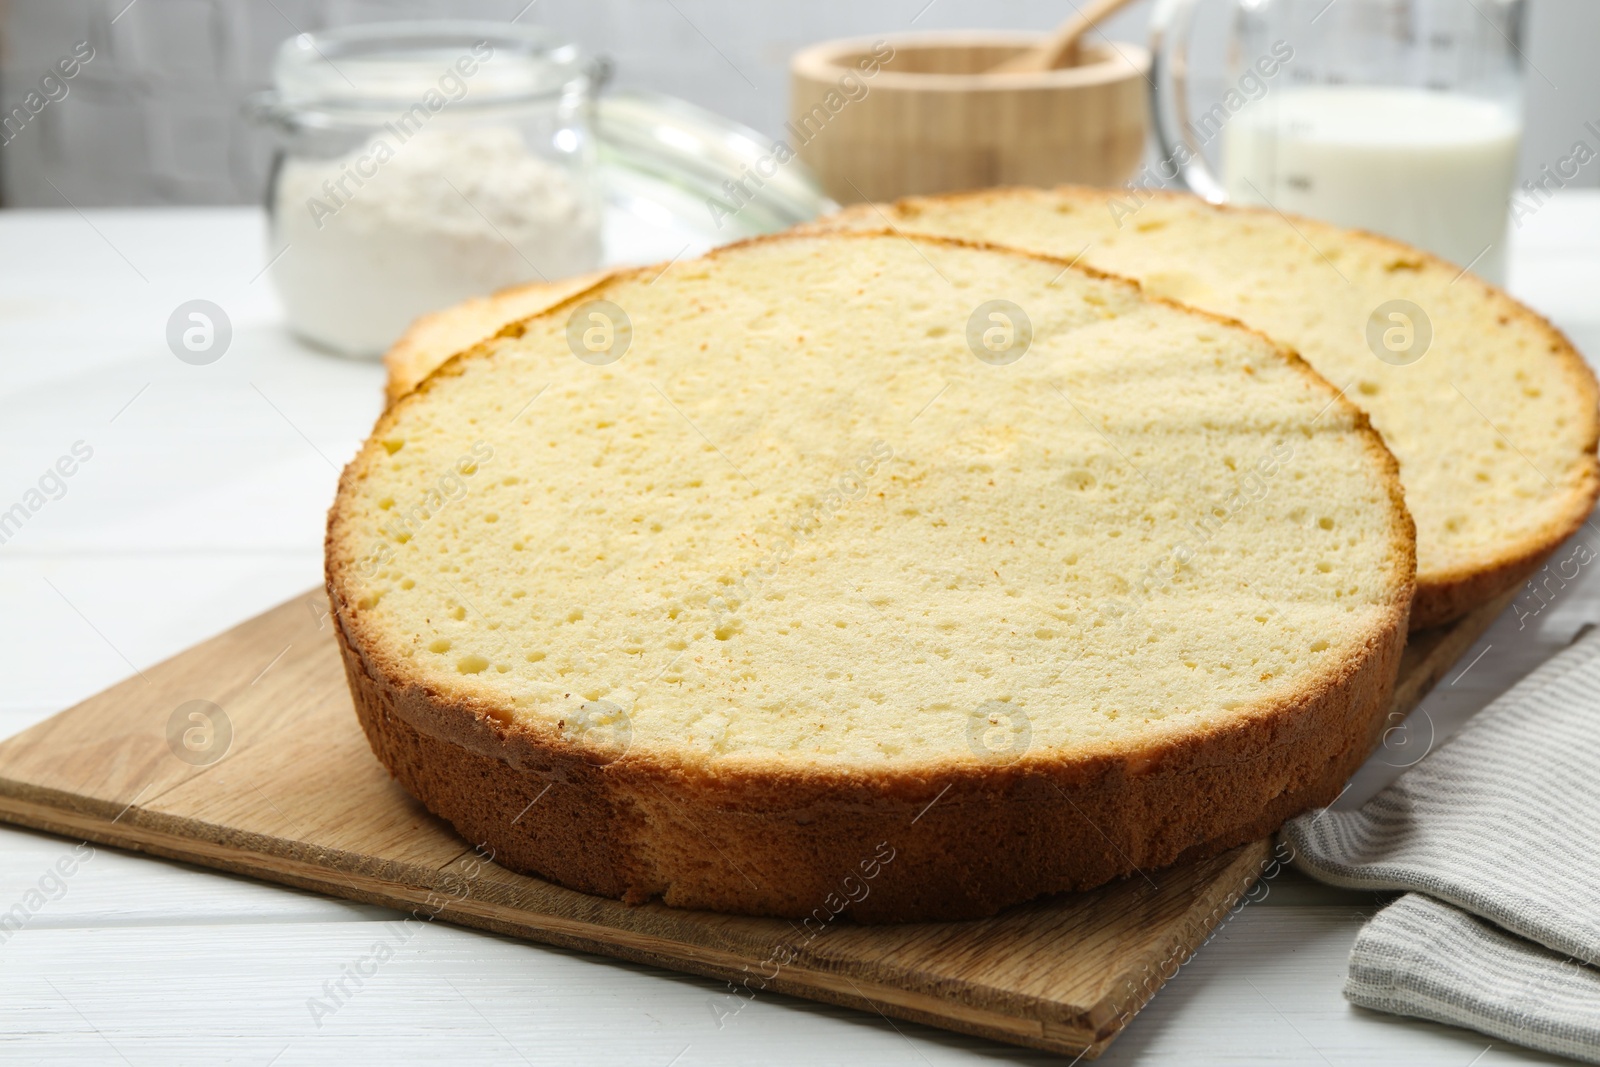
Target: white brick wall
(155, 117)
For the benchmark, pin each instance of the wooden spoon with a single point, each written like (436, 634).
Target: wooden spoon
(1060, 49)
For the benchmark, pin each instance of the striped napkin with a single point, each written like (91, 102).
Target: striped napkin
(1495, 840)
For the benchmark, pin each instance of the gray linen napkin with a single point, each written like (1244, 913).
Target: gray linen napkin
(1420, 957)
(1502, 822)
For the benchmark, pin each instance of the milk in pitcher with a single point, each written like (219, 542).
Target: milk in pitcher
(1434, 169)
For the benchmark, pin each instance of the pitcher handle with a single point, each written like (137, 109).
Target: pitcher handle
(1170, 25)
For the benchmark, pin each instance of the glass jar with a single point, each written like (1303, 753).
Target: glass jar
(421, 163)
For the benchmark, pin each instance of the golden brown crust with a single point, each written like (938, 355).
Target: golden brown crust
(1441, 596)
(944, 840)
(958, 845)
(785, 845)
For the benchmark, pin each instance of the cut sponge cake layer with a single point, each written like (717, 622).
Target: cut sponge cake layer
(1493, 418)
(844, 586)
(435, 337)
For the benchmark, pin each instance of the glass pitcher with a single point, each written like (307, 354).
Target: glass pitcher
(1398, 116)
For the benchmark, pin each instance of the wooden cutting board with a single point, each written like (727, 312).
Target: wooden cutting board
(275, 780)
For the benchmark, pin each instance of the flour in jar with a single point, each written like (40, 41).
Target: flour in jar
(392, 231)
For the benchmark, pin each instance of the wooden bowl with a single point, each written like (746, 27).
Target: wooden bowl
(885, 117)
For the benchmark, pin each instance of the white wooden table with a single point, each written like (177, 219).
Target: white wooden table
(203, 504)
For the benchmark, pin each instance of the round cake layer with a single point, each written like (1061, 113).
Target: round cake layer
(713, 579)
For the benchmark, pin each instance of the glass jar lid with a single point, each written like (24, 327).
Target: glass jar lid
(376, 67)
